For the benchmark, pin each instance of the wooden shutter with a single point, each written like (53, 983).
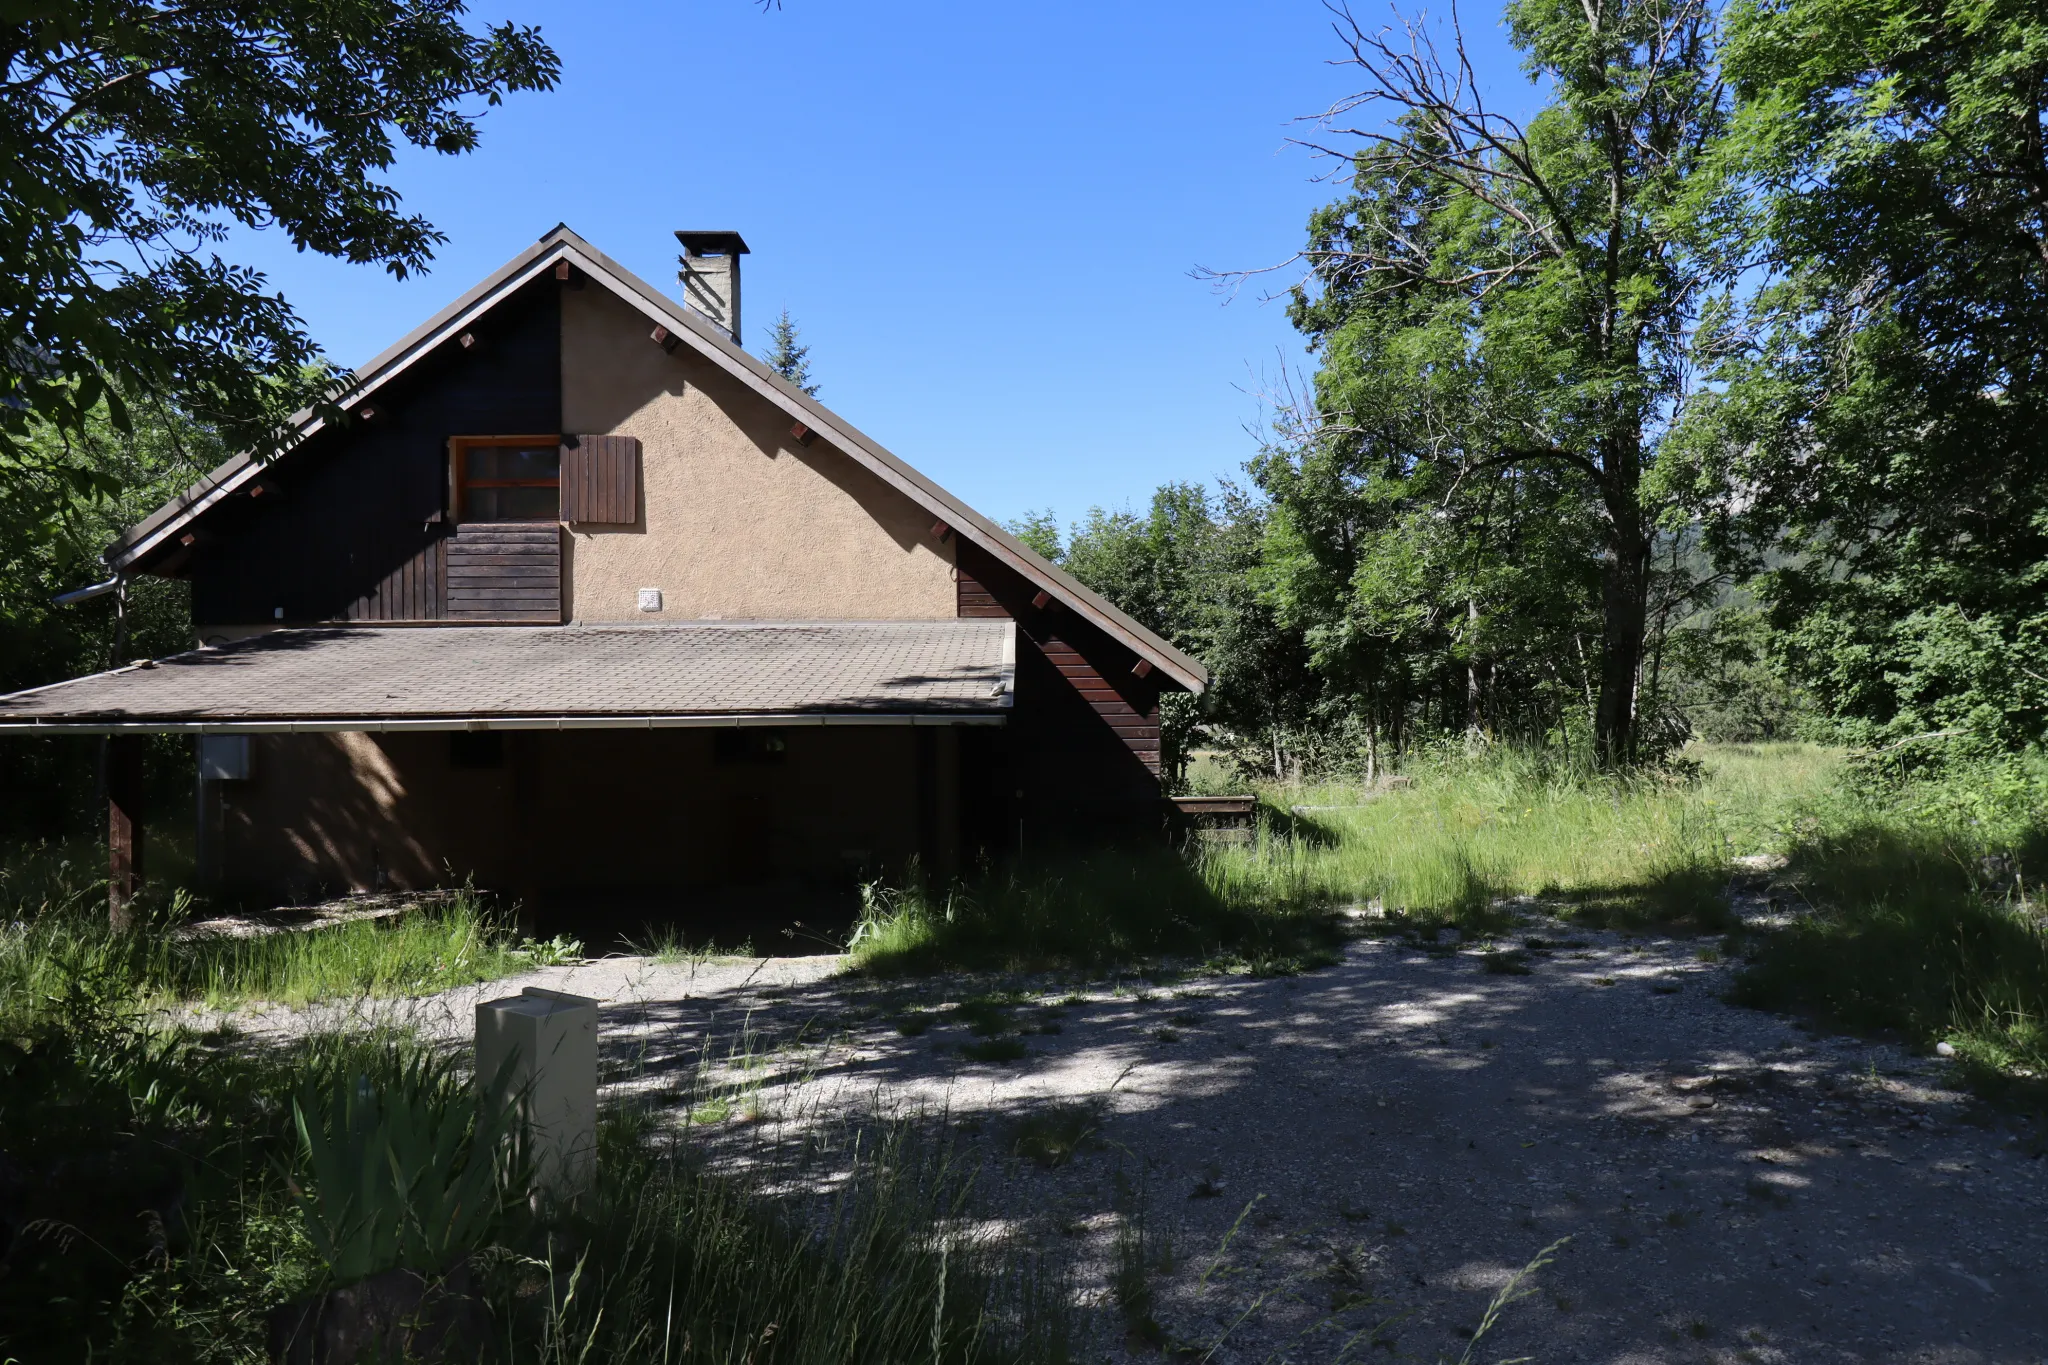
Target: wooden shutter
(601, 479)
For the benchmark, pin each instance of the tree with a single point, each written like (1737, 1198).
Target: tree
(1503, 316)
(1040, 533)
(787, 358)
(1156, 566)
(1188, 568)
(51, 540)
(1880, 457)
(135, 133)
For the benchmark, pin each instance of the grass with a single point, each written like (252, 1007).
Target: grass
(995, 1050)
(1922, 918)
(1469, 832)
(169, 1202)
(674, 1262)
(668, 945)
(1055, 1135)
(1919, 913)
(169, 1197)
(55, 932)
(1090, 912)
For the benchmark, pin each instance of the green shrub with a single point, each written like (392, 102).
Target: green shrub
(399, 1164)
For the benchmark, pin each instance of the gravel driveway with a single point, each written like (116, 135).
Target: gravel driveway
(1406, 1129)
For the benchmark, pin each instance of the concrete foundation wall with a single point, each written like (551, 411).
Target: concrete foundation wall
(650, 811)
(737, 519)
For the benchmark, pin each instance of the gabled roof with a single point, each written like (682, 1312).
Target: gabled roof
(167, 522)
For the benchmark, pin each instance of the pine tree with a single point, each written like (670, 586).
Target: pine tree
(787, 357)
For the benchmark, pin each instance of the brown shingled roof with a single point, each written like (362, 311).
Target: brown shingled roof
(525, 677)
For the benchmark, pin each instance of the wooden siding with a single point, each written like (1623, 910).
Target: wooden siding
(505, 571)
(1096, 668)
(1080, 758)
(414, 591)
(351, 524)
(973, 598)
(1139, 730)
(601, 479)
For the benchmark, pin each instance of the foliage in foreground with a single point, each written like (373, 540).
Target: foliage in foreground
(672, 1261)
(113, 187)
(163, 1199)
(164, 1193)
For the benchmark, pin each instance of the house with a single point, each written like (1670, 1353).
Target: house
(578, 597)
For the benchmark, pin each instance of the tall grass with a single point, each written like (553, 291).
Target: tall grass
(161, 1200)
(54, 932)
(1113, 907)
(1921, 914)
(673, 1262)
(172, 1202)
(1470, 829)
(1462, 834)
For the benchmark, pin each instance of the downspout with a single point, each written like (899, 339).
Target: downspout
(118, 584)
(87, 593)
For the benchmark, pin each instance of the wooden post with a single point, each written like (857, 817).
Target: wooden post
(124, 827)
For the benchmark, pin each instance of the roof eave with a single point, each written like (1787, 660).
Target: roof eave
(151, 533)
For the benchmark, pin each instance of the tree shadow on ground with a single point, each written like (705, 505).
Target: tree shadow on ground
(1439, 1121)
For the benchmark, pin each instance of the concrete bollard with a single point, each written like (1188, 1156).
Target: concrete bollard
(544, 1044)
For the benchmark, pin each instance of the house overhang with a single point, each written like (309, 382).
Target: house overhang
(564, 249)
(469, 678)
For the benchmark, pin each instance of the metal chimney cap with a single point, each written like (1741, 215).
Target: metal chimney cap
(710, 243)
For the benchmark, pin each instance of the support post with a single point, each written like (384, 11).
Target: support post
(124, 828)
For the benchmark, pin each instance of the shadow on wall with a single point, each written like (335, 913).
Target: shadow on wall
(538, 816)
(328, 814)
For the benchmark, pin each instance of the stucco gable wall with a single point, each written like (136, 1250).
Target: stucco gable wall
(737, 520)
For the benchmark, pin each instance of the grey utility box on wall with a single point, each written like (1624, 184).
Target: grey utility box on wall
(224, 758)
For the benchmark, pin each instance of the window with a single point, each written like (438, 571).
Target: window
(507, 478)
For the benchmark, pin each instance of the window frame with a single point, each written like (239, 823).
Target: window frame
(459, 482)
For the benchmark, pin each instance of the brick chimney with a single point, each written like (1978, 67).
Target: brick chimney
(711, 278)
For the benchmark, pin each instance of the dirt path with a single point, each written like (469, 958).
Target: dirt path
(1406, 1129)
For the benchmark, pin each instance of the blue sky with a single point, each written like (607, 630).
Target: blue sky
(982, 217)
